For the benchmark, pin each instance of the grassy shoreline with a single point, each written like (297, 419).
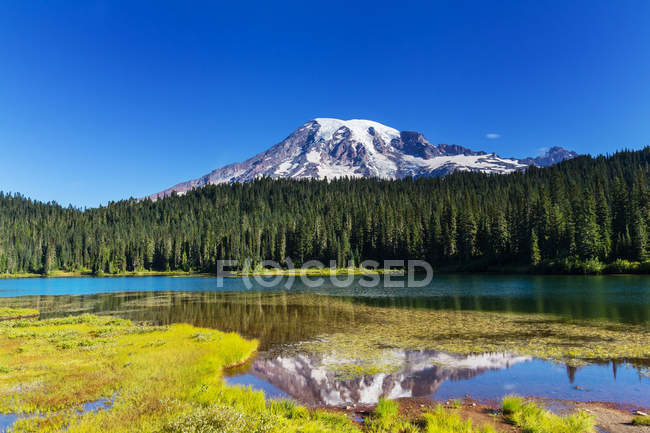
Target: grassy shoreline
(17, 313)
(87, 273)
(156, 379)
(317, 272)
(323, 272)
(326, 272)
(167, 379)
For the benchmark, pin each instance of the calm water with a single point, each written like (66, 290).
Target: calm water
(618, 298)
(281, 316)
(444, 377)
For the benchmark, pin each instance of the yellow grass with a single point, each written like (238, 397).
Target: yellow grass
(159, 379)
(16, 313)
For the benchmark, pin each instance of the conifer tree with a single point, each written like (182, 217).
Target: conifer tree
(535, 256)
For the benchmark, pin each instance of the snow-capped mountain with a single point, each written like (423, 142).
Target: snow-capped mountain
(418, 373)
(329, 148)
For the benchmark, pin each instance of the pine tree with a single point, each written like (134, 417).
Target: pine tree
(639, 237)
(588, 241)
(583, 208)
(604, 223)
(467, 235)
(449, 232)
(535, 256)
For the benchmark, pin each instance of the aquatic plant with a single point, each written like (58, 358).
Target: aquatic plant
(641, 420)
(365, 346)
(535, 419)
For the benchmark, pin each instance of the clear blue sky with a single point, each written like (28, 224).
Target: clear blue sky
(102, 100)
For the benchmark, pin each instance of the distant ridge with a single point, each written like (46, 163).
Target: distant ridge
(329, 148)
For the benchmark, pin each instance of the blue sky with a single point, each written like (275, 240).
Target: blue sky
(102, 100)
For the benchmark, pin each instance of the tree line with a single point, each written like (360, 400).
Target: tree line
(579, 215)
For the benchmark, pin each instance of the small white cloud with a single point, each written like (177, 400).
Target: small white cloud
(492, 136)
(542, 150)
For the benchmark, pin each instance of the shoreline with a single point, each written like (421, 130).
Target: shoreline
(322, 272)
(317, 272)
(88, 274)
(610, 417)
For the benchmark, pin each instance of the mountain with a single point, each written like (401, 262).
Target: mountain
(419, 373)
(329, 148)
(554, 155)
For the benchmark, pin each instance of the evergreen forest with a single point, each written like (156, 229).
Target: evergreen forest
(585, 215)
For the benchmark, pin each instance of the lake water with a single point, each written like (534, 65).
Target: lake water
(281, 317)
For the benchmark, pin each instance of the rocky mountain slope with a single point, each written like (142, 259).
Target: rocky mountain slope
(329, 148)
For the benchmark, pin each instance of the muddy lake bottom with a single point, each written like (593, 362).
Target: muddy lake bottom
(284, 320)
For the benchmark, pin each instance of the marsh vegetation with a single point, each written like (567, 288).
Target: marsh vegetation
(159, 375)
(168, 379)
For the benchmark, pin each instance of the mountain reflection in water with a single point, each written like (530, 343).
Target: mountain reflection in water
(288, 318)
(308, 380)
(441, 376)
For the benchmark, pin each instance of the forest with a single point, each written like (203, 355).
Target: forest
(585, 215)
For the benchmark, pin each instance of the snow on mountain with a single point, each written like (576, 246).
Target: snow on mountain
(417, 373)
(329, 148)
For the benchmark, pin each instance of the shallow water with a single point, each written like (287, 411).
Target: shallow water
(445, 377)
(278, 317)
(8, 420)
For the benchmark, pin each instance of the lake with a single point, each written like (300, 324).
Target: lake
(288, 320)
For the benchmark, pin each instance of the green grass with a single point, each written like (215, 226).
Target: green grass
(641, 420)
(442, 421)
(16, 313)
(386, 419)
(534, 419)
(88, 273)
(288, 409)
(322, 272)
(511, 404)
(164, 379)
(168, 380)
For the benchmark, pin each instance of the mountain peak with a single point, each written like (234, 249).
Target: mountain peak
(330, 148)
(552, 156)
(361, 129)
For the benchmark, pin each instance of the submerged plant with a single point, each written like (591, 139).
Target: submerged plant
(366, 346)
